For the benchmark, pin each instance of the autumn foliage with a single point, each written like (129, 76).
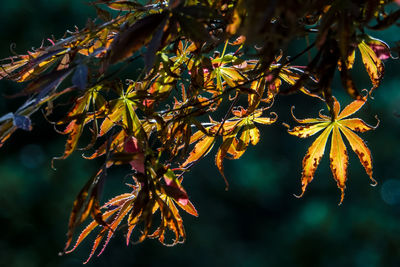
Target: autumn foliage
(210, 74)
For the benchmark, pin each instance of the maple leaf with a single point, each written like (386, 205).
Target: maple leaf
(233, 146)
(338, 153)
(79, 116)
(139, 206)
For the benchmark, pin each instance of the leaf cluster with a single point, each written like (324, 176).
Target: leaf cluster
(211, 70)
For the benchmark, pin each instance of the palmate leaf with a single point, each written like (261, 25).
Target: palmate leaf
(85, 204)
(233, 146)
(79, 116)
(139, 206)
(338, 153)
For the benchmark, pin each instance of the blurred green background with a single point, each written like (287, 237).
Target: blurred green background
(257, 222)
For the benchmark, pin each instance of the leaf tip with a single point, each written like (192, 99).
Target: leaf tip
(52, 163)
(374, 182)
(377, 123)
(300, 195)
(341, 195)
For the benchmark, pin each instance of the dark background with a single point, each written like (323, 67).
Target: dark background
(257, 222)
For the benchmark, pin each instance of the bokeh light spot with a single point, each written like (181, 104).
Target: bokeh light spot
(31, 156)
(390, 192)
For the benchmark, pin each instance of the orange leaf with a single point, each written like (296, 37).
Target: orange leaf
(221, 154)
(338, 153)
(358, 125)
(89, 229)
(352, 108)
(189, 208)
(362, 151)
(313, 158)
(201, 149)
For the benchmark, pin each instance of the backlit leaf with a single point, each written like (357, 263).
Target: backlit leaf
(313, 157)
(200, 150)
(372, 63)
(362, 151)
(338, 160)
(338, 152)
(125, 5)
(85, 204)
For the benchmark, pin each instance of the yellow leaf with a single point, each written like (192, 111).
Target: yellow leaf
(357, 125)
(197, 136)
(231, 76)
(372, 63)
(352, 108)
(338, 160)
(336, 108)
(232, 150)
(254, 134)
(338, 153)
(115, 115)
(307, 130)
(264, 120)
(244, 139)
(313, 158)
(350, 59)
(362, 151)
(201, 149)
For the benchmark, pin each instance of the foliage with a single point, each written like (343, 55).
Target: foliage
(189, 98)
(338, 155)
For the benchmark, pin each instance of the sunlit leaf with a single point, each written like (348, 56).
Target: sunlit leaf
(85, 204)
(125, 5)
(159, 83)
(200, 150)
(338, 152)
(338, 160)
(372, 63)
